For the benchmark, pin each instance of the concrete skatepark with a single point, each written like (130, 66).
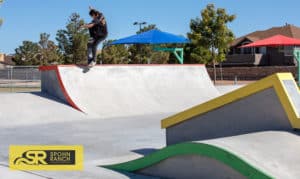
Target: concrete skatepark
(117, 112)
(134, 90)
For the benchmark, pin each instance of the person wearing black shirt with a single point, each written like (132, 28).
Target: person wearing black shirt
(98, 32)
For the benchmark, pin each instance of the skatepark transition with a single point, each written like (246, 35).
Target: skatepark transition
(247, 133)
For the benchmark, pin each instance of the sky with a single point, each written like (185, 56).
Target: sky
(26, 19)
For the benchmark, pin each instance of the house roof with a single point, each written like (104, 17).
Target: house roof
(287, 30)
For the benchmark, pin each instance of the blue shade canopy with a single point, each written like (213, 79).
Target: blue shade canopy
(152, 37)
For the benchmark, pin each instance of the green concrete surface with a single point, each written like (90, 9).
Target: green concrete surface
(206, 150)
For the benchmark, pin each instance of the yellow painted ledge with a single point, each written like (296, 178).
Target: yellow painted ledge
(275, 81)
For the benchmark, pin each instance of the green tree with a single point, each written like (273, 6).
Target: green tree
(160, 57)
(48, 51)
(143, 54)
(210, 36)
(1, 20)
(72, 41)
(44, 52)
(27, 54)
(140, 54)
(114, 54)
(147, 28)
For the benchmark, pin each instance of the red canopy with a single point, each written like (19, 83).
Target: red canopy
(274, 41)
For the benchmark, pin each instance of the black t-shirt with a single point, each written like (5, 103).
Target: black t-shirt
(100, 28)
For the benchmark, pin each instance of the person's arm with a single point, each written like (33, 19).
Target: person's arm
(88, 26)
(97, 21)
(102, 20)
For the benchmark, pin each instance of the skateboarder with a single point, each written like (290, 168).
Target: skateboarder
(98, 32)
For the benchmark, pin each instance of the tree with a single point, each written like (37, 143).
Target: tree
(48, 51)
(1, 20)
(114, 54)
(72, 41)
(210, 36)
(143, 54)
(27, 54)
(44, 52)
(147, 28)
(159, 57)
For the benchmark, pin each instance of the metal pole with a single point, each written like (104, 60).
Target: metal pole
(26, 76)
(297, 56)
(235, 80)
(221, 71)
(11, 78)
(298, 61)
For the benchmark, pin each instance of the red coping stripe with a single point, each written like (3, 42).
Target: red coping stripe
(64, 91)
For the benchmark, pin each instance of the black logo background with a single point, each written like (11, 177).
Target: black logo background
(70, 161)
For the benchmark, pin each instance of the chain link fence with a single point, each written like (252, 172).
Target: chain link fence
(28, 78)
(20, 79)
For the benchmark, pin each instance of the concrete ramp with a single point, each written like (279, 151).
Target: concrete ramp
(272, 103)
(25, 109)
(255, 155)
(129, 90)
(247, 133)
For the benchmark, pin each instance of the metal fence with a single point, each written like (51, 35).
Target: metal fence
(20, 78)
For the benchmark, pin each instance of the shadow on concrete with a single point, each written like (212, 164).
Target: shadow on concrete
(44, 95)
(84, 68)
(137, 176)
(295, 131)
(145, 151)
(134, 175)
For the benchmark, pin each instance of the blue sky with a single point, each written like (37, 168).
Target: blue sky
(26, 19)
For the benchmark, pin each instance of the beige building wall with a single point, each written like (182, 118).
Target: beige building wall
(2, 57)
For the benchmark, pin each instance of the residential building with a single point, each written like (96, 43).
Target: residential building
(6, 60)
(263, 56)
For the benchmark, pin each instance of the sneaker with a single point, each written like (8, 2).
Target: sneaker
(92, 63)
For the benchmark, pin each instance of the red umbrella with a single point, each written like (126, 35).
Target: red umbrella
(274, 41)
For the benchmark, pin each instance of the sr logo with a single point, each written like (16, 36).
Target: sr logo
(32, 157)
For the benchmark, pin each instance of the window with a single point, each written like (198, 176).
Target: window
(246, 50)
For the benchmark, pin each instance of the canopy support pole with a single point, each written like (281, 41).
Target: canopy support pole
(297, 56)
(178, 52)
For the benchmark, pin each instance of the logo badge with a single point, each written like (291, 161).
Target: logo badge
(40, 157)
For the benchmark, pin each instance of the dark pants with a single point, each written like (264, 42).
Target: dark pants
(92, 48)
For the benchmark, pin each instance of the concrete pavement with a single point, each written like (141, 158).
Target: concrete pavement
(115, 113)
